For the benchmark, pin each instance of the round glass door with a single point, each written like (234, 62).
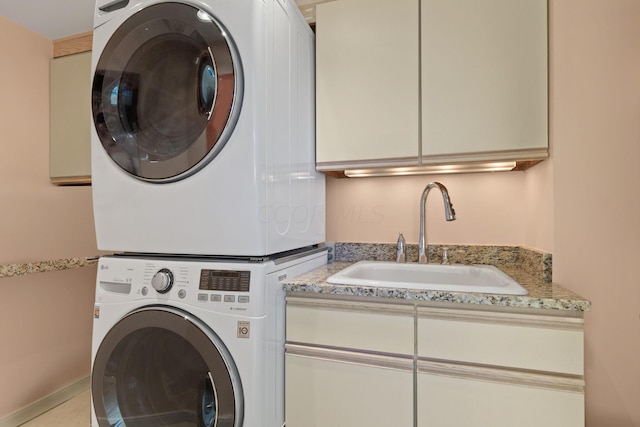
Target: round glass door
(159, 367)
(166, 92)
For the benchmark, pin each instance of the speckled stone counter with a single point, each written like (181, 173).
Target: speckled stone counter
(12, 270)
(531, 269)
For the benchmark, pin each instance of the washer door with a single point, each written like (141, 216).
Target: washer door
(166, 92)
(161, 367)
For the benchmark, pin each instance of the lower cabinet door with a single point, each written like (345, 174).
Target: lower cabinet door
(445, 401)
(323, 393)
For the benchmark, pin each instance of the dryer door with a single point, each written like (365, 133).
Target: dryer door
(161, 367)
(166, 92)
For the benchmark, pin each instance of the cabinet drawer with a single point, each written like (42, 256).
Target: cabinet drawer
(445, 401)
(533, 342)
(364, 326)
(321, 393)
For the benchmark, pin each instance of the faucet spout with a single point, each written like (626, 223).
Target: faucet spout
(449, 215)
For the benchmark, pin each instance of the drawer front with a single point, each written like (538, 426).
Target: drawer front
(445, 401)
(372, 327)
(518, 341)
(322, 393)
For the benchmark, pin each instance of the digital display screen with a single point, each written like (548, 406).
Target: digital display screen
(225, 280)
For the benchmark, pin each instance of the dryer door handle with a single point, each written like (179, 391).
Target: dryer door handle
(207, 84)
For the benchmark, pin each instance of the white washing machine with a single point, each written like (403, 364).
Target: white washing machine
(204, 131)
(191, 343)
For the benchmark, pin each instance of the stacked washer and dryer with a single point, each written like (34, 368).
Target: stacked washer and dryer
(204, 187)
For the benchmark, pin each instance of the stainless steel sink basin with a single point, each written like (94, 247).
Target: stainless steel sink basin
(433, 277)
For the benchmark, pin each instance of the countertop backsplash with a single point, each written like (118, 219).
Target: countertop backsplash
(530, 261)
(20, 269)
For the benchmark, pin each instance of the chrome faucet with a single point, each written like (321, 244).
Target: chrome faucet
(449, 215)
(401, 249)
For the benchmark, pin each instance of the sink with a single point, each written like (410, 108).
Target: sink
(429, 277)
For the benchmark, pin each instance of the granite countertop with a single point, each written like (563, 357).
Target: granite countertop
(542, 293)
(13, 270)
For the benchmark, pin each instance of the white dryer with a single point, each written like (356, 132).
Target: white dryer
(191, 343)
(204, 131)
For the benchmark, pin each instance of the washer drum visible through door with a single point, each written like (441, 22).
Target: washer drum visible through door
(160, 367)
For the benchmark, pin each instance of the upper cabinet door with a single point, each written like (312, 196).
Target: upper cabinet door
(367, 82)
(70, 109)
(484, 79)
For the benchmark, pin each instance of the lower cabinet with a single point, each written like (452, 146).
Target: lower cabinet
(505, 368)
(348, 364)
(464, 400)
(363, 363)
(323, 392)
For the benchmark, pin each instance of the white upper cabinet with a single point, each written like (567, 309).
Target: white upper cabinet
(421, 82)
(484, 78)
(367, 81)
(70, 122)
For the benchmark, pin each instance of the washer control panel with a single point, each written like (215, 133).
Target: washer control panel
(215, 285)
(225, 280)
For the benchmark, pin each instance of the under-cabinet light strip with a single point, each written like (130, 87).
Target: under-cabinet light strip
(432, 169)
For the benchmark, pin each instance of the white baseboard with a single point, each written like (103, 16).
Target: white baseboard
(41, 406)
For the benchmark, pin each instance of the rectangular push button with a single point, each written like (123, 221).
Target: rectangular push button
(229, 298)
(243, 299)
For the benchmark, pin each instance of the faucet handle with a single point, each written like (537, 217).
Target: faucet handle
(401, 249)
(445, 256)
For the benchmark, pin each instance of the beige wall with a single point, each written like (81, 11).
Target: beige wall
(595, 57)
(46, 334)
(538, 194)
(491, 208)
(45, 319)
(39, 220)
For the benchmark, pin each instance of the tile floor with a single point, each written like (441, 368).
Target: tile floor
(75, 412)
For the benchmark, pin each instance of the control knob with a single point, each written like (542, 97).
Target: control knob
(162, 280)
